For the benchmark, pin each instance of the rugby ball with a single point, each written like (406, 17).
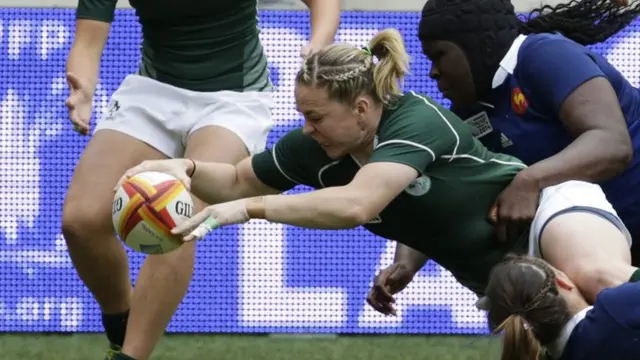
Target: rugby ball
(145, 209)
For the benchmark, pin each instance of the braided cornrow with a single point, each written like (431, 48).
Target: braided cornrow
(525, 301)
(348, 72)
(347, 75)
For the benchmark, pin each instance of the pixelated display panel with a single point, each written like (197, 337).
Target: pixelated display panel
(255, 278)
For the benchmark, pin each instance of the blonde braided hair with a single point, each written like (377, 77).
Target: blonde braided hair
(347, 71)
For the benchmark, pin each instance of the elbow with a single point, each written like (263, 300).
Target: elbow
(356, 206)
(359, 214)
(621, 151)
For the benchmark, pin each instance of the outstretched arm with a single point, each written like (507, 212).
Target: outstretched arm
(216, 183)
(372, 189)
(340, 207)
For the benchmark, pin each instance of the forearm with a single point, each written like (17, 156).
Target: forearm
(325, 19)
(412, 258)
(85, 65)
(214, 183)
(85, 54)
(594, 156)
(330, 208)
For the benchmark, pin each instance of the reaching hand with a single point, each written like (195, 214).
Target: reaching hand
(79, 104)
(387, 283)
(211, 218)
(311, 48)
(177, 168)
(516, 207)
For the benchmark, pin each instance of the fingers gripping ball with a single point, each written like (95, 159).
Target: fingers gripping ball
(145, 209)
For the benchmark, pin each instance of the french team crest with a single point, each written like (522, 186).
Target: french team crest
(519, 102)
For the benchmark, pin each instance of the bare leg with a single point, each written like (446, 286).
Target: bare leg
(589, 249)
(164, 279)
(97, 254)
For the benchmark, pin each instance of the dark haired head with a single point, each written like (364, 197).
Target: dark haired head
(485, 29)
(525, 301)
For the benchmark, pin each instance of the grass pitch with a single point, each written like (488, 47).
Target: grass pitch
(248, 347)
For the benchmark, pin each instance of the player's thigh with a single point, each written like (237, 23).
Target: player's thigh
(233, 129)
(87, 205)
(141, 123)
(152, 112)
(248, 115)
(576, 228)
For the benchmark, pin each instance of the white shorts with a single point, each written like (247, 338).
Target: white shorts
(571, 196)
(164, 116)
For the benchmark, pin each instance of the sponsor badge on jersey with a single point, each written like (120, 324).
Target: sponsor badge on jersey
(480, 124)
(419, 186)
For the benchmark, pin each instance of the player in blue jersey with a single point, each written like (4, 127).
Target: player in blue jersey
(537, 305)
(533, 90)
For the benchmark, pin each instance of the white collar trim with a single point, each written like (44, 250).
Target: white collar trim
(508, 63)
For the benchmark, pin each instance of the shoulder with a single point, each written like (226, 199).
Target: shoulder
(414, 103)
(612, 320)
(550, 52)
(296, 138)
(541, 45)
(292, 160)
(621, 301)
(296, 146)
(628, 292)
(414, 113)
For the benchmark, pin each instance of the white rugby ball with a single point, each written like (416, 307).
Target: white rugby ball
(146, 207)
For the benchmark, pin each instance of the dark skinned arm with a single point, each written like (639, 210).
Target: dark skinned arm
(413, 259)
(602, 147)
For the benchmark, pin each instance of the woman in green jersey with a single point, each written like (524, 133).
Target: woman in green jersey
(407, 170)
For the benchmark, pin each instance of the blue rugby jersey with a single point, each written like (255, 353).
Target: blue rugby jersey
(538, 73)
(610, 329)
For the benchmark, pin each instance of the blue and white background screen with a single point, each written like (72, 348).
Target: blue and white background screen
(256, 278)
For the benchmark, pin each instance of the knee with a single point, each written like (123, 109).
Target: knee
(82, 220)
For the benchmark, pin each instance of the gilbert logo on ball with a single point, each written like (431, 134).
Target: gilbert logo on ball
(145, 209)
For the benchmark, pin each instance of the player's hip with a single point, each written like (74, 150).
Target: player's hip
(164, 116)
(567, 197)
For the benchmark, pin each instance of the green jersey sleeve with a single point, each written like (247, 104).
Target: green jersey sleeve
(284, 165)
(415, 133)
(99, 10)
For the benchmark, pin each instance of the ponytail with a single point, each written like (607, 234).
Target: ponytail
(393, 63)
(347, 71)
(518, 340)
